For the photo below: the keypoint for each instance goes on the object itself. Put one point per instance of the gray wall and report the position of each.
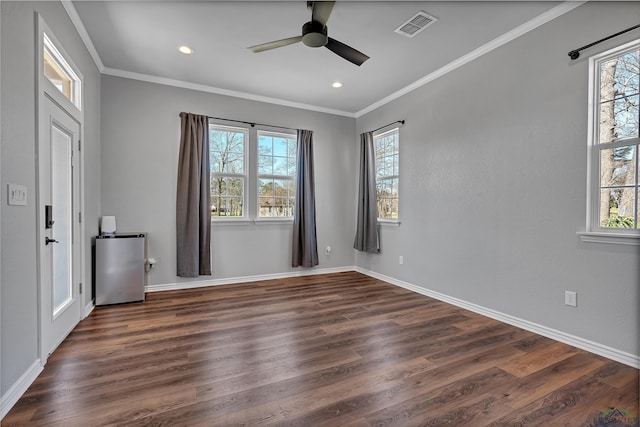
(140, 145)
(19, 334)
(493, 185)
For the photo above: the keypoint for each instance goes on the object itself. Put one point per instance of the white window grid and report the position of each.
(596, 149)
(387, 177)
(224, 205)
(273, 206)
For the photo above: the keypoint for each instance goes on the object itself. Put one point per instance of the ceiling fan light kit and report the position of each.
(315, 34)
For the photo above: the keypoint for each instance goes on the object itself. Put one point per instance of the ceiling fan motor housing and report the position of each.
(314, 34)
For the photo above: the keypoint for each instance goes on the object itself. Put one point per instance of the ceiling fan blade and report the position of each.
(347, 52)
(322, 11)
(275, 44)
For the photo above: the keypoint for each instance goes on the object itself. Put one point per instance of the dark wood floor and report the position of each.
(331, 350)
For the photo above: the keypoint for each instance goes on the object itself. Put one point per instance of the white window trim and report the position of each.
(250, 203)
(245, 196)
(594, 233)
(270, 219)
(54, 48)
(390, 222)
(386, 222)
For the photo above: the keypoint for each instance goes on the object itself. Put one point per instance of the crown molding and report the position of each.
(520, 30)
(211, 89)
(530, 25)
(82, 32)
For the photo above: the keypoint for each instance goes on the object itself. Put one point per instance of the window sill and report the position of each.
(231, 221)
(246, 221)
(609, 238)
(388, 222)
(263, 221)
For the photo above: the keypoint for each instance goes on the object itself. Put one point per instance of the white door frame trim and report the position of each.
(46, 90)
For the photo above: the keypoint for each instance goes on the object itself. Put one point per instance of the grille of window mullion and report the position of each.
(637, 185)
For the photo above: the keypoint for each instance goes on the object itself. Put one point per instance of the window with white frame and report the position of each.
(277, 153)
(58, 71)
(614, 140)
(227, 157)
(387, 177)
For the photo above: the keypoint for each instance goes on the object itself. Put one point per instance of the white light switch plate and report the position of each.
(17, 194)
(571, 298)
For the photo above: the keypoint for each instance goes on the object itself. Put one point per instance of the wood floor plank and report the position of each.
(538, 359)
(543, 382)
(559, 407)
(339, 349)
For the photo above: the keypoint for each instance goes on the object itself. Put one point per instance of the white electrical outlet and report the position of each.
(327, 251)
(400, 260)
(571, 298)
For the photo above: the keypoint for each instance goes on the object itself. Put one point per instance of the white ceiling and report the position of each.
(142, 37)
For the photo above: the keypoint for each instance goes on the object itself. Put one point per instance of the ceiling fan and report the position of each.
(314, 34)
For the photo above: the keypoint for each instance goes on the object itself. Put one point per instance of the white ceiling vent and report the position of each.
(415, 24)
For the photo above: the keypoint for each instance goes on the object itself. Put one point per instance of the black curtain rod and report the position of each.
(253, 124)
(575, 54)
(392, 123)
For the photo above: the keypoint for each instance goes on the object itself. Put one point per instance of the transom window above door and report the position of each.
(58, 71)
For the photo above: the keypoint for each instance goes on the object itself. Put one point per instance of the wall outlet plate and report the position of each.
(16, 195)
(571, 298)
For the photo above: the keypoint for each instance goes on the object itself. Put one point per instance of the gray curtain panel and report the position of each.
(367, 238)
(193, 201)
(305, 244)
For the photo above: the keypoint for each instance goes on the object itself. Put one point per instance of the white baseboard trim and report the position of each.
(88, 309)
(584, 344)
(16, 391)
(244, 279)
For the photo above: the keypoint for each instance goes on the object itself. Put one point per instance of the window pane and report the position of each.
(291, 188)
(265, 165)
(279, 188)
(281, 207)
(277, 158)
(619, 76)
(618, 97)
(58, 71)
(292, 148)
(280, 147)
(56, 75)
(394, 188)
(235, 164)
(265, 187)
(381, 171)
(235, 206)
(265, 206)
(387, 171)
(617, 208)
(226, 149)
(226, 196)
(291, 166)
(619, 119)
(617, 166)
(280, 166)
(395, 165)
(265, 145)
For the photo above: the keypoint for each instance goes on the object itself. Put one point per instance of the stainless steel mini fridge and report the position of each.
(119, 264)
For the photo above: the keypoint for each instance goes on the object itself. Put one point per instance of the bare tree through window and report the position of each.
(617, 140)
(277, 156)
(227, 164)
(387, 173)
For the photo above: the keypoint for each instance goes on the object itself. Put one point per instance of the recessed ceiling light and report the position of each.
(336, 84)
(185, 49)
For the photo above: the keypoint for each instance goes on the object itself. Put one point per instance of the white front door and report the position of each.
(59, 228)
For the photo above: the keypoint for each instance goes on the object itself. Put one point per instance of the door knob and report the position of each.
(48, 240)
